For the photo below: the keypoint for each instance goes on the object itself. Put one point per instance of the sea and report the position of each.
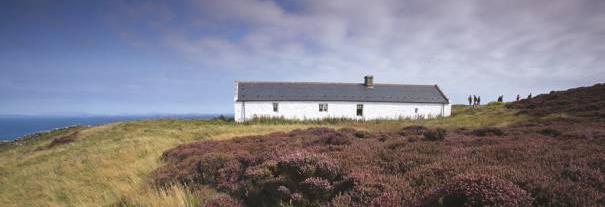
(14, 126)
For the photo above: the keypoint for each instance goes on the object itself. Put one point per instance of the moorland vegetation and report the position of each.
(545, 151)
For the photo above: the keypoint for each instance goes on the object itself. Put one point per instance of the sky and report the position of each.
(150, 57)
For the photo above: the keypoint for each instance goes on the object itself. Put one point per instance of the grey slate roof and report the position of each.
(306, 91)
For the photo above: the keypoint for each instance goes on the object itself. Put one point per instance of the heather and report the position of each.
(585, 102)
(556, 158)
(553, 158)
(477, 190)
(322, 166)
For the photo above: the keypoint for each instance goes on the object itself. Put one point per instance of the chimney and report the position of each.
(368, 81)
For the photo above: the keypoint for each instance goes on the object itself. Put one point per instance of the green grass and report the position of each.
(492, 115)
(110, 164)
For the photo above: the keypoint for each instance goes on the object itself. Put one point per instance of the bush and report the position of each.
(387, 199)
(60, 141)
(437, 134)
(412, 130)
(224, 118)
(222, 201)
(477, 190)
(301, 165)
(488, 131)
(550, 132)
(337, 140)
(316, 188)
(367, 193)
(341, 201)
(362, 134)
(327, 136)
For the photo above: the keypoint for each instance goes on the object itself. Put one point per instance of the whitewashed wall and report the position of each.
(310, 110)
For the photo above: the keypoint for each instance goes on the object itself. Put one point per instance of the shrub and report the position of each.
(477, 190)
(362, 134)
(412, 130)
(337, 140)
(316, 188)
(301, 165)
(207, 168)
(437, 134)
(224, 118)
(327, 136)
(387, 199)
(488, 131)
(347, 130)
(341, 201)
(550, 132)
(284, 191)
(60, 141)
(296, 198)
(366, 193)
(222, 201)
(584, 174)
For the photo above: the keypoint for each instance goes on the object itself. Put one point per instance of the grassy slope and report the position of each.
(110, 163)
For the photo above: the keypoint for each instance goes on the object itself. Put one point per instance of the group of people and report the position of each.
(519, 97)
(476, 100)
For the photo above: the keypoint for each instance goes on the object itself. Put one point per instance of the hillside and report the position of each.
(543, 158)
(583, 102)
(554, 157)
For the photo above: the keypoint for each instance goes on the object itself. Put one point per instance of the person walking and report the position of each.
(474, 100)
(470, 100)
(479, 100)
(518, 97)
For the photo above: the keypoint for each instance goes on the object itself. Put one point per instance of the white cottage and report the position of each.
(365, 101)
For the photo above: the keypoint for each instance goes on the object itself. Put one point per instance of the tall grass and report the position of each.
(491, 115)
(110, 164)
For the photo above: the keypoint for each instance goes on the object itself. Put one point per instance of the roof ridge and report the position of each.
(341, 83)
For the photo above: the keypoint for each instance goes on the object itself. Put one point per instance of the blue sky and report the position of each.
(141, 57)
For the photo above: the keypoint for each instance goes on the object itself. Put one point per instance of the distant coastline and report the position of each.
(17, 126)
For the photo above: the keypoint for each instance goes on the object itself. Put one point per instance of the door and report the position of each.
(359, 109)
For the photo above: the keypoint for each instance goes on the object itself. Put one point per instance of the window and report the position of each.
(416, 110)
(275, 107)
(359, 109)
(323, 107)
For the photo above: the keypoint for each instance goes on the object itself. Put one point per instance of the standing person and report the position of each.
(474, 100)
(479, 100)
(518, 97)
(470, 100)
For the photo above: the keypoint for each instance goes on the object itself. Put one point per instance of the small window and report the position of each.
(275, 107)
(359, 109)
(323, 107)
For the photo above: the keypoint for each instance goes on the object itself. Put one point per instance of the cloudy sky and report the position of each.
(131, 57)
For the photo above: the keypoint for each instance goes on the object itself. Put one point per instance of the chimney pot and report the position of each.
(368, 81)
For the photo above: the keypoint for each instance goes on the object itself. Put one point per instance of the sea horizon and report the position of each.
(14, 126)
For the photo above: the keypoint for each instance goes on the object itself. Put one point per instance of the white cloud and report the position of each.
(467, 46)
